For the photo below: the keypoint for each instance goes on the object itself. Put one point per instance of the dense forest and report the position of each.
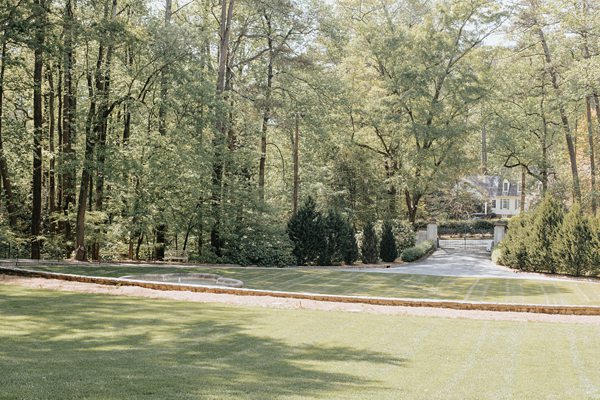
(128, 127)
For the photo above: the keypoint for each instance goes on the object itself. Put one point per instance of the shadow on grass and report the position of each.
(63, 345)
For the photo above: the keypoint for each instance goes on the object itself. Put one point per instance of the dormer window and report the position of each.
(505, 186)
(519, 187)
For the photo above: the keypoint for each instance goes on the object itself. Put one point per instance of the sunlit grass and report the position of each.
(57, 345)
(384, 285)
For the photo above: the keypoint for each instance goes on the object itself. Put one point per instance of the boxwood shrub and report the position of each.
(418, 251)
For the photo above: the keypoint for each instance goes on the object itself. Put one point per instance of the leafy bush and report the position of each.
(388, 251)
(404, 234)
(264, 246)
(369, 244)
(418, 251)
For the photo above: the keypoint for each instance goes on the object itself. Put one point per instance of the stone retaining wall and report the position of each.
(384, 301)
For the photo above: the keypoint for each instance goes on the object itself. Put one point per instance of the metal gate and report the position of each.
(466, 245)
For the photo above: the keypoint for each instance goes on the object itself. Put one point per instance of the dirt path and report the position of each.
(288, 303)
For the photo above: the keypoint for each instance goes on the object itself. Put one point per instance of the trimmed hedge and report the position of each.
(418, 251)
(453, 227)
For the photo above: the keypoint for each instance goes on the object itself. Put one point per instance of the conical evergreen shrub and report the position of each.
(573, 245)
(369, 244)
(388, 251)
(514, 245)
(334, 249)
(307, 233)
(545, 225)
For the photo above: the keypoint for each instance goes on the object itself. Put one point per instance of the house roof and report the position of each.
(491, 185)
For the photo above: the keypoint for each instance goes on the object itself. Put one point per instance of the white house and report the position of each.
(499, 195)
(505, 198)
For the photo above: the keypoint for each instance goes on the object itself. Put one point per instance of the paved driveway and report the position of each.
(455, 258)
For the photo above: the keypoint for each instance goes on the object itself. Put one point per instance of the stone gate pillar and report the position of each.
(432, 232)
(499, 231)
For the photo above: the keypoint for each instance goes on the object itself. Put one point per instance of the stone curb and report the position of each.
(382, 301)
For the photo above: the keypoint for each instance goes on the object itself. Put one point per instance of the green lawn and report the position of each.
(57, 345)
(385, 285)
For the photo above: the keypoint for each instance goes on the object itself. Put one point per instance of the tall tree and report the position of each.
(39, 12)
(533, 17)
(220, 131)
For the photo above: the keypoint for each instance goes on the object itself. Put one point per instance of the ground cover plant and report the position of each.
(377, 284)
(58, 345)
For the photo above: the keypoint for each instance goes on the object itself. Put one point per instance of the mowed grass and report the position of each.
(60, 345)
(377, 284)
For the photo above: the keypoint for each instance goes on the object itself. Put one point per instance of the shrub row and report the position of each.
(418, 251)
(321, 239)
(553, 241)
(329, 239)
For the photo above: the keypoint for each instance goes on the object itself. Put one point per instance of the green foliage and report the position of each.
(306, 230)
(321, 239)
(595, 259)
(514, 245)
(263, 246)
(547, 219)
(369, 244)
(387, 249)
(404, 234)
(351, 253)
(572, 248)
(336, 237)
(459, 227)
(545, 241)
(416, 252)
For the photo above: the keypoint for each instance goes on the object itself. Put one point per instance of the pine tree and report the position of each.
(388, 251)
(545, 225)
(573, 247)
(307, 233)
(369, 244)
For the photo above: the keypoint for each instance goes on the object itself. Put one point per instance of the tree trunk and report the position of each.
(219, 139)
(159, 248)
(6, 182)
(103, 91)
(523, 177)
(266, 114)
(296, 151)
(590, 129)
(390, 171)
(69, 112)
(51, 128)
(36, 211)
(484, 157)
(161, 229)
(412, 205)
